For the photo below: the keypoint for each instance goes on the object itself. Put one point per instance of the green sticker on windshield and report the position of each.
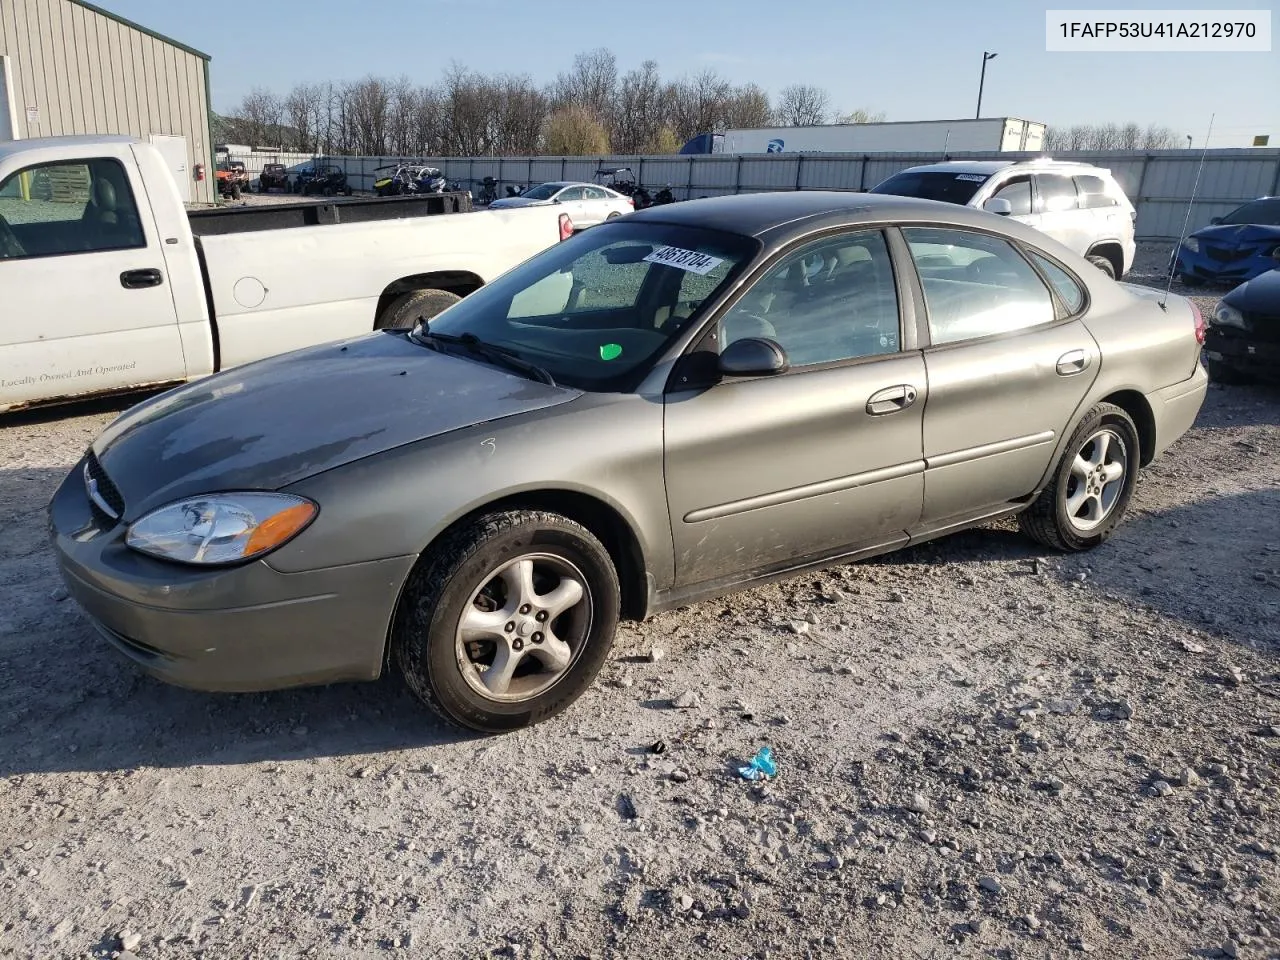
(610, 351)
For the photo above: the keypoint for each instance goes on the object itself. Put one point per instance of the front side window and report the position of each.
(65, 208)
(595, 193)
(596, 310)
(543, 191)
(832, 300)
(1057, 194)
(570, 193)
(1018, 193)
(976, 285)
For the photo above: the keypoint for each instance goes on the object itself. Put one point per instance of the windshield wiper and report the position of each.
(490, 351)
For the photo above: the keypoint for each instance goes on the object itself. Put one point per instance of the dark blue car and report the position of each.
(1234, 248)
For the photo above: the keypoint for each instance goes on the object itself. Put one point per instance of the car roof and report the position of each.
(757, 214)
(989, 167)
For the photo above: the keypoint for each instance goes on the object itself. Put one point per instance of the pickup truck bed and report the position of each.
(217, 221)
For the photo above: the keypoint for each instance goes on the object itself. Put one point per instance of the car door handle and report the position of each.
(140, 279)
(1072, 362)
(891, 400)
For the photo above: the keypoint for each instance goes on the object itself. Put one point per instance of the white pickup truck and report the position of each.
(107, 283)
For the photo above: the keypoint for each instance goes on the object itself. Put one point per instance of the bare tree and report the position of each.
(642, 109)
(698, 103)
(520, 112)
(302, 114)
(1160, 138)
(258, 119)
(861, 115)
(592, 84)
(1110, 136)
(802, 105)
(747, 106)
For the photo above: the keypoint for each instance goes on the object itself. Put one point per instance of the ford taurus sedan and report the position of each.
(672, 405)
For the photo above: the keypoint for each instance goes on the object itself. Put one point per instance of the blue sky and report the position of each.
(914, 60)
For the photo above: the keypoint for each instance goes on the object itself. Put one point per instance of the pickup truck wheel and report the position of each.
(506, 621)
(235, 191)
(1091, 486)
(407, 310)
(1220, 372)
(1103, 264)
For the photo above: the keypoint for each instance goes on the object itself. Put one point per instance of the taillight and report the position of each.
(1201, 326)
(566, 227)
(632, 204)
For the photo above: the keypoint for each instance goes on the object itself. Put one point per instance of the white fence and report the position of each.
(1158, 182)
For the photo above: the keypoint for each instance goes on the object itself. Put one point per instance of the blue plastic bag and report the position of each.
(761, 767)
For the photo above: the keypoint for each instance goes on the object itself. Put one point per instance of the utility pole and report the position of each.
(982, 81)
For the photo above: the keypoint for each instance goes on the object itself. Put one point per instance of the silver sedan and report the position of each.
(587, 204)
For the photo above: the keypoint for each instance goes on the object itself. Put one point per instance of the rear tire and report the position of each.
(1224, 373)
(407, 310)
(613, 216)
(1082, 505)
(1103, 264)
(463, 618)
(235, 191)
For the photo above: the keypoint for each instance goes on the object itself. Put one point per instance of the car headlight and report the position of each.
(221, 528)
(1226, 316)
(1191, 244)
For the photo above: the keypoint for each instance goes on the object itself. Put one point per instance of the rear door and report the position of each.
(764, 472)
(85, 303)
(1009, 362)
(1058, 206)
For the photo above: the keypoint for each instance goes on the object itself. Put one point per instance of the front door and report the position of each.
(1009, 364)
(766, 471)
(85, 303)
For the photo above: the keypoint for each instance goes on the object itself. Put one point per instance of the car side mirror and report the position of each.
(753, 357)
(1214, 221)
(998, 205)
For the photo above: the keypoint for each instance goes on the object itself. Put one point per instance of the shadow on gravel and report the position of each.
(1231, 407)
(1214, 564)
(68, 702)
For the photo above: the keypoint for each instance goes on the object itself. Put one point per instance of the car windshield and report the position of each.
(598, 309)
(543, 191)
(1265, 212)
(948, 187)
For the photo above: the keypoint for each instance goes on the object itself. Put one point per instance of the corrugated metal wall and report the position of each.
(1159, 183)
(84, 72)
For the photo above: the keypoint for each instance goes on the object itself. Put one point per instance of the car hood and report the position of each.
(517, 202)
(277, 421)
(1259, 296)
(1237, 235)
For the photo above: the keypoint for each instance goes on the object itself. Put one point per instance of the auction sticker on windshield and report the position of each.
(689, 260)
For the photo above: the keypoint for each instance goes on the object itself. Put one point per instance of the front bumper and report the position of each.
(1200, 266)
(1175, 408)
(229, 629)
(1244, 352)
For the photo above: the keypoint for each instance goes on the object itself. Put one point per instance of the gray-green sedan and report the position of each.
(678, 403)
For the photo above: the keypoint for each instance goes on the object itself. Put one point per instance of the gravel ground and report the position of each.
(985, 750)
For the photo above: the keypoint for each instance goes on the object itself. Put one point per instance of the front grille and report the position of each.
(1223, 255)
(107, 502)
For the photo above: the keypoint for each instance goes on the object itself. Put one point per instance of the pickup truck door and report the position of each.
(87, 306)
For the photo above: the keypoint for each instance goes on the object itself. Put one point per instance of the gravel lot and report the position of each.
(986, 750)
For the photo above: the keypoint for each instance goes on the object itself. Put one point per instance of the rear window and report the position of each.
(947, 187)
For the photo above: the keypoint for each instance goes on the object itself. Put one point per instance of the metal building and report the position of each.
(69, 67)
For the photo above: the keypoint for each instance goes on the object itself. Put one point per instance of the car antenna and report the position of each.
(1187, 219)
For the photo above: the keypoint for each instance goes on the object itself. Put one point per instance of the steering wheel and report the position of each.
(9, 245)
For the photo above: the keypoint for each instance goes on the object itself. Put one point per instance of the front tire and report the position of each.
(1091, 486)
(507, 620)
(1103, 264)
(416, 305)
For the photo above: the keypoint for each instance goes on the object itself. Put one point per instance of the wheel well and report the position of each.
(1112, 252)
(461, 282)
(603, 521)
(1135, 404)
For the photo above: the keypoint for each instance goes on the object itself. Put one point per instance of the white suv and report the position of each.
(1078, 204)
